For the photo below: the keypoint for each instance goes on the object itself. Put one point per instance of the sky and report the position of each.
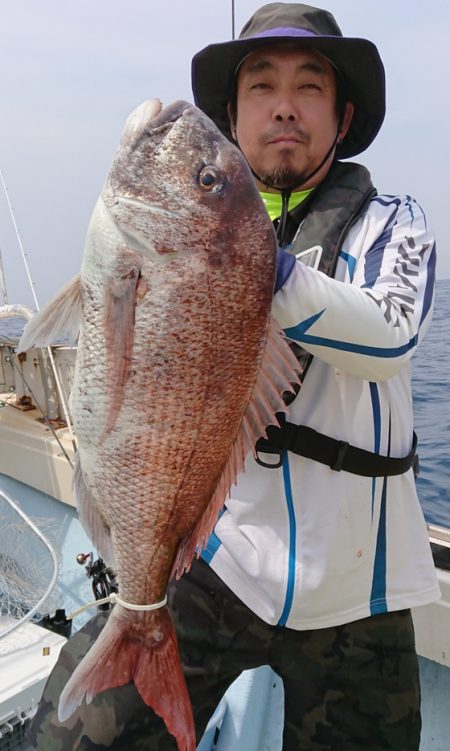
(72, 70)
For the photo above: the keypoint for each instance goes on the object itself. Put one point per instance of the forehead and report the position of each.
(279, 56)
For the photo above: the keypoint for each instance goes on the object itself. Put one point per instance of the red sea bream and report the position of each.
(179, 370)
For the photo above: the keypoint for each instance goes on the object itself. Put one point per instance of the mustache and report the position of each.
(286, 131)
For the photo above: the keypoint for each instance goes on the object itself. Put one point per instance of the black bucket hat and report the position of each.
(357, 61)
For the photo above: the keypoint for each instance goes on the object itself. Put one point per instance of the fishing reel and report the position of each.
(104, 579)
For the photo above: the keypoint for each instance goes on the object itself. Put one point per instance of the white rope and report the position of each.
(115, 599)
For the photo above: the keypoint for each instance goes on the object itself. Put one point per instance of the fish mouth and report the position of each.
(163, 123)
(170, 114)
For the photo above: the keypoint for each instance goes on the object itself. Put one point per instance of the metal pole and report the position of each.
(232, 19)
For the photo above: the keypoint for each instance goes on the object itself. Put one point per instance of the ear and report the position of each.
(346, 120)
(231, 120)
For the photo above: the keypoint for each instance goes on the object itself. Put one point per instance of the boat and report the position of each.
(37, 450)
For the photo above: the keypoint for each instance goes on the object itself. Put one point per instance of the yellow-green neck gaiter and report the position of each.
(272, 201)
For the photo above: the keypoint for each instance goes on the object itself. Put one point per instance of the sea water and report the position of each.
(431, 393)
(430, 380)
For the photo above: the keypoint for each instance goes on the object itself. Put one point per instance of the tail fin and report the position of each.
(149, 658)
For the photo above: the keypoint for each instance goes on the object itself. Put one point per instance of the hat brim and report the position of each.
(357, 61)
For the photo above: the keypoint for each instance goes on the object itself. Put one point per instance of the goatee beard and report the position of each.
(282, 178)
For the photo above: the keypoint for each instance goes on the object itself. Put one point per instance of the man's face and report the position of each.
(286, 114)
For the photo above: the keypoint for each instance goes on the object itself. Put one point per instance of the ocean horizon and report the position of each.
(430, 382)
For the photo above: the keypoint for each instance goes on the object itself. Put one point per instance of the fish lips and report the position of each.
(170, 114)
(158, 127)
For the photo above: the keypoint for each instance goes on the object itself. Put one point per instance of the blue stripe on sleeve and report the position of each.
(214, 542)
(374, 257)
(285, 264)
(351, 263)
(393, 200)
(298, 333)
(211, 549)
(429, 289)
(375, 397)
(378, 594)
(292, 541)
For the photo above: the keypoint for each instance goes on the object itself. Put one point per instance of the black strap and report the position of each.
(339, 455)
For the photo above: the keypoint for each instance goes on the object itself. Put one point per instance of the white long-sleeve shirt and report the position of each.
(304, 545)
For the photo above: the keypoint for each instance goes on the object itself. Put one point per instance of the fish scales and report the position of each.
(187, 416)
(179, 370)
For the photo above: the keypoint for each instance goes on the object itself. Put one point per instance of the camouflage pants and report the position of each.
(347, 688)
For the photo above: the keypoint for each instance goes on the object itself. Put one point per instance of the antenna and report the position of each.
(232, 19)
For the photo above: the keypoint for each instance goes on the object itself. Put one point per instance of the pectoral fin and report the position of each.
(120, 307)
(59, 318)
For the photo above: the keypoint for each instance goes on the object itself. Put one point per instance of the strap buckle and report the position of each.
(340, 455)
(272, 451)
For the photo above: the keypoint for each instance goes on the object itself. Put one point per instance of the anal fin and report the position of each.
(90, 517)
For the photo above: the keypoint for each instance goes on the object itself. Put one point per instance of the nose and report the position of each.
(284, 110)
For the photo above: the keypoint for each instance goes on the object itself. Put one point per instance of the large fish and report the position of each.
(179, 370)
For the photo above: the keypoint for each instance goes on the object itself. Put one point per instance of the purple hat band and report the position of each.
(287, 31)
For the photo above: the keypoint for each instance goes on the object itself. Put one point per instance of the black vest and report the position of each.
(324, 219)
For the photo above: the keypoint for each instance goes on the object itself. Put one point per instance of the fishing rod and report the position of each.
(32, 287)
(3, 289)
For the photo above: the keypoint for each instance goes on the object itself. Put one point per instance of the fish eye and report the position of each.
(211, 179)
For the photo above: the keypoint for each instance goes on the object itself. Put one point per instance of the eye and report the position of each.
(311, 86)
(260, 85)
(211, 179)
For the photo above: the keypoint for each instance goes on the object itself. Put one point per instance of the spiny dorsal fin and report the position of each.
(278, 373)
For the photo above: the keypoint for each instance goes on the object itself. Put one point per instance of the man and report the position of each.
(322, 548)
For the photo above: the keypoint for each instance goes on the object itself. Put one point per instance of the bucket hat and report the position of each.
(357, 62)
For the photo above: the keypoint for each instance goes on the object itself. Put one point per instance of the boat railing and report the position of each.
(36, 378)
(440, 546)
(439, 535)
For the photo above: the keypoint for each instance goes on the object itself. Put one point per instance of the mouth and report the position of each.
(170, 114)
(161, 125)
(285, 139)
